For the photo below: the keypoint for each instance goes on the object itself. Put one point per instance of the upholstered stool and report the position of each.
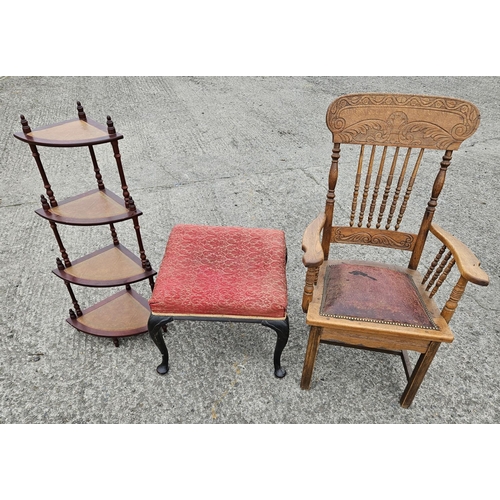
(211, 273)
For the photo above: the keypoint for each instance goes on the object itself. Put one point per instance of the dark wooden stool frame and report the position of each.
(158, 324)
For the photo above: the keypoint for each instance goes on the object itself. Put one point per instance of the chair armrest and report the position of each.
(311, 243)
(468, 264)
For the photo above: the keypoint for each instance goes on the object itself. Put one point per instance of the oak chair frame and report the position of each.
(392, 122)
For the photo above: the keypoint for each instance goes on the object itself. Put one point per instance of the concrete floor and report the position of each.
(246, 151)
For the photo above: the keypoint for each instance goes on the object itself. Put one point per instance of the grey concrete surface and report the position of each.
(248, 151)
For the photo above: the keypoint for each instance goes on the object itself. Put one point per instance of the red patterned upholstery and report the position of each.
(222, 271)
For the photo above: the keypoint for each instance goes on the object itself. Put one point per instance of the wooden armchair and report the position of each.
(379, 306)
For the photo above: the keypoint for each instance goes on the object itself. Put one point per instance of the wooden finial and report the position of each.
(24, 123)
(45, 203)
(72, 314)
(81, 113)
(59, 263)
(111, 127)
(131, 204)
(147, 265)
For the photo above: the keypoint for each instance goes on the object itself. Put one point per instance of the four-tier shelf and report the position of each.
(124, 313)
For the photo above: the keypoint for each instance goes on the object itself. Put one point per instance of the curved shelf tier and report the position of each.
(70, 133)
(93, 208)
(124, 314)
(113, 265)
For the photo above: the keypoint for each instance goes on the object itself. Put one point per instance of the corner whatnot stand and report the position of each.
(124, 313)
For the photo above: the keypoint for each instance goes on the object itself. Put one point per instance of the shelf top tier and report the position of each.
(70, 133)
(99, 206)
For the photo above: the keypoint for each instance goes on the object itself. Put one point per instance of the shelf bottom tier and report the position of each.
(124, 314)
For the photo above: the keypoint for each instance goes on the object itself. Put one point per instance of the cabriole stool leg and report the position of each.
(282, 328)
(156, 325)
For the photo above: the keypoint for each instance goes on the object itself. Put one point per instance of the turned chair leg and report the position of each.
(156, 327)
(282, 328)
(310, 359)
(418, 374)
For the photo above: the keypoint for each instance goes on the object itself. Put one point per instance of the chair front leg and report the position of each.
(310, 359)
(155, 326)
(418, 374)
(282, 328)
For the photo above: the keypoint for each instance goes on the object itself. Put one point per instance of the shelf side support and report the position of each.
(118, 159)
(73, 299)
(36, 156)
(64, 254)
(97, 171)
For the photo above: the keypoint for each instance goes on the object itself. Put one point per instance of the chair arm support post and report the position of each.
(311, 278)
(313, 257)
(455, 296)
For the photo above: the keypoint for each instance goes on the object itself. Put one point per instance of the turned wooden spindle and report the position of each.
(137, 228)
(443, 276)
(114, 235)
(434, 263)
(81, 112)
(456, 294)
(72, 314)
(366, 189)
(387, 189)
(64, 254)
(398, 189)
(311, 278)
(378, 180)
(356, 186)
(73, 299)
(330, 199)
(97, 172)
(36, 156)
(409, 189)
(438, 271)
(118, 159)
(60, 265)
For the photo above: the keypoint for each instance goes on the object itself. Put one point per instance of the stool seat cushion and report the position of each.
(222, 271)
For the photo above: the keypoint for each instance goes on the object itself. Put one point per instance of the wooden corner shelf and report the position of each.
(69, 133)
(124, 314)
(93, 208)
(110, 266)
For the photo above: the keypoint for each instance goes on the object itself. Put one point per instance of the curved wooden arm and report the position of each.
(468, 264)
(311, 243)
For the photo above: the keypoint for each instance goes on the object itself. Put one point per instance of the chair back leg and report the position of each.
(418, 374)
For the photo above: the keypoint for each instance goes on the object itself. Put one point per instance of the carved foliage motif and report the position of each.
(403, 241)
(404, 120)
